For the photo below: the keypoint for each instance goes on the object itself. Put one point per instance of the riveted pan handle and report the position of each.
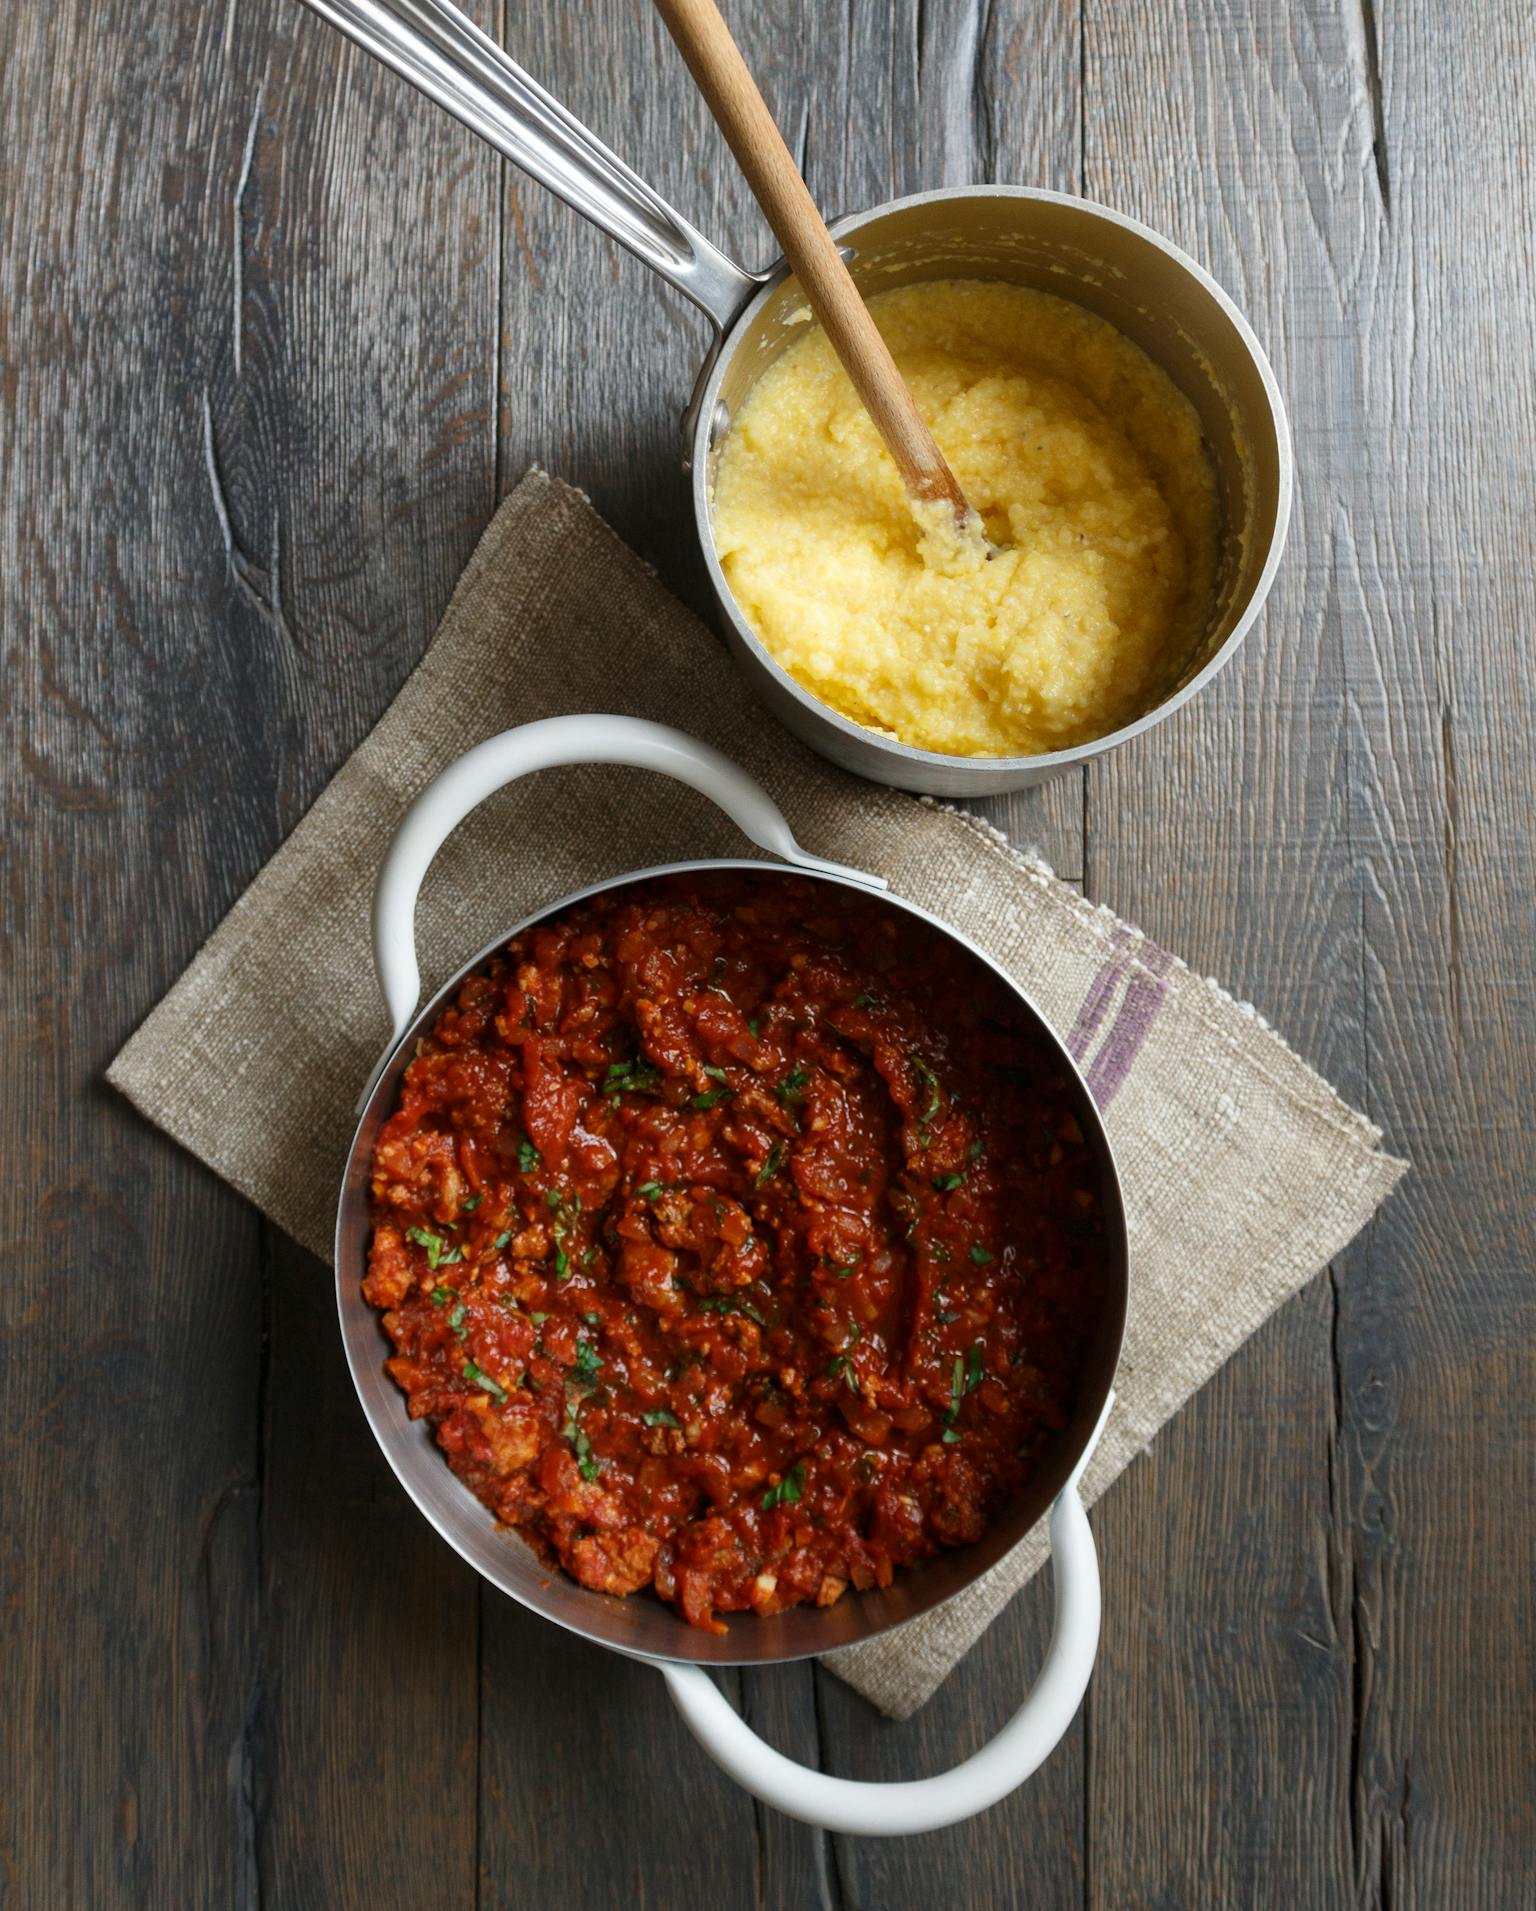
(926, 1804)
(446, 56)
(500, 760)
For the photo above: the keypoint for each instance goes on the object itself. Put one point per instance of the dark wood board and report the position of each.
(274, 336)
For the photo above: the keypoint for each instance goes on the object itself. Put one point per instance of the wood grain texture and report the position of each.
(1379, 730)
(273, 336)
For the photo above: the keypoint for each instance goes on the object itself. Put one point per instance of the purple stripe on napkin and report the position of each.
(1145, 994)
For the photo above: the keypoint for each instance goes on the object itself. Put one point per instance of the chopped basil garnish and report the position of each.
(659, 1417)
(441, 1296)
(650, 1190)
(866, 1000)
(944, 1182)
(633, 1078)
(588, 1467)
(792, 1089)
(980, 1255)
(788, 1490)
(714, 1095)
(966, 1374)
(528, 1157)
(501, 1240)
(839, 1366)
(730, 1304)
(433, 1243)
(956, 1395)
(478, 1379)
(930, 1081)
(842, 1272)
(456, 1321)
(772, 1165)
(472, 1203)
(588, 1364)
(447, 1260)
(538, 1319)
(715, 1074)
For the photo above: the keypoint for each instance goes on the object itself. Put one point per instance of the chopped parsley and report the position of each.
(980, 1255)
(555, 1201)
(927, 1079)
(659, 1417)
(587, 1466)
(730, 1304)
(788, 1490)
(771, 1166)
(433, 1243)
(966, 1375)
(631, 1078)
(791, 1090)
(476, 1378)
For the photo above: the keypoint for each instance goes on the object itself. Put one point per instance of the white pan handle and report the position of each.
(500, 760)
(926, 1804)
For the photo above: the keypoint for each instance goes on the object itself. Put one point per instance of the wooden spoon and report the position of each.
(742, 114)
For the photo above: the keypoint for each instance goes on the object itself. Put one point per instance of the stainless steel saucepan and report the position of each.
(642, 1626)
(1112, 265)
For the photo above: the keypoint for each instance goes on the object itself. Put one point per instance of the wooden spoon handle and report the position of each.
(742, 114)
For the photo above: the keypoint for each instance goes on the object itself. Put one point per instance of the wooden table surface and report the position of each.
(276, 335)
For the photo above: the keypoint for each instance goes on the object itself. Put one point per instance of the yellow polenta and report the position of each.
(1087, 466)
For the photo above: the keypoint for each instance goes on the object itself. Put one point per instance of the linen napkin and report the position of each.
(1244, 1173)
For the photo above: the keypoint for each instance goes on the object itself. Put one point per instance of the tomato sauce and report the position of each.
(736, 1240)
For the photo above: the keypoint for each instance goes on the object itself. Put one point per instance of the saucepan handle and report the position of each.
(926, 1804)
(500, 760)
(446, 56)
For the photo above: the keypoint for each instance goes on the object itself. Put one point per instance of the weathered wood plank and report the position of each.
(130, 1308)
(353, 413)
(1336, 892)
(1436, 1317)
